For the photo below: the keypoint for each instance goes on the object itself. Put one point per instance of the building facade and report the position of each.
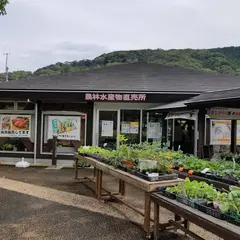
(93, 108)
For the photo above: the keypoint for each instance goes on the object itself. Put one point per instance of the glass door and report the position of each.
(170, 133)
(108, 128)
(154, 127)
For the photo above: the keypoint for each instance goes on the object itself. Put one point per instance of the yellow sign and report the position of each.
(221, 132)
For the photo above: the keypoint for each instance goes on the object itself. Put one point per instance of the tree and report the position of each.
(3, 4)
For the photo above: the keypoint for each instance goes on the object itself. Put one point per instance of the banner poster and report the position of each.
(65, 127)
(221, 132)
(15, 126)
(107, 128)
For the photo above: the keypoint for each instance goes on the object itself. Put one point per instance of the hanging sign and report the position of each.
(15, 126)
(107, 128)
(224, 113)
(122, 97)
(65, 127)
(190, 115)
(221, 132)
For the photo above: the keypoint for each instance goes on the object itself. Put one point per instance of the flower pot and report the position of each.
(128, 163)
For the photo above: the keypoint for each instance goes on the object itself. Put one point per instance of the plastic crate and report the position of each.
(189, 202)
(122, 168)
(156, 179)
(162, 191)
(208, 209)
(234, 220)
(186, 201)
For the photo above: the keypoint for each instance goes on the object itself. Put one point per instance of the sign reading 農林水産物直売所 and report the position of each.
(122, 97)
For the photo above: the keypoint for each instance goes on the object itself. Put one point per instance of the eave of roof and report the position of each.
(169, 106)
(216, 96)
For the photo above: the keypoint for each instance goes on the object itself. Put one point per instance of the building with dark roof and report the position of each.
(93, 107)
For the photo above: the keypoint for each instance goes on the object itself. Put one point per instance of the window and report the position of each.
(152, 126)
(25, 106)
(17, 133)
(130, 125)
(69, 129)
(6, 105)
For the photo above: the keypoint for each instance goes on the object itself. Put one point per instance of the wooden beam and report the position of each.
(185, 230)
(218, 227)
(147, 214)
(156, 221)
(76, 168)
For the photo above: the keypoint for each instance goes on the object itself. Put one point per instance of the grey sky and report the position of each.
(41, 32)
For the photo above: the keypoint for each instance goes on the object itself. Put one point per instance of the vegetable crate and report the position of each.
(233, 220)
(162, 191)
(208, 209)
(186, 201)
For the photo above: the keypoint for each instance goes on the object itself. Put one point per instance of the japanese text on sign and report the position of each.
(115, 97)
(224, 113)
(15, 126)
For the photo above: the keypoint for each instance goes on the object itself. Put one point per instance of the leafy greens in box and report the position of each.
(147, 164)
(231, 205)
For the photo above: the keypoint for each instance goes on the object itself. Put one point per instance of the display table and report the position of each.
(218, 227)
(146, 186)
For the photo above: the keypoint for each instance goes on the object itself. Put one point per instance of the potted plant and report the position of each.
(127, 158)
(7, 147)
(125, 152)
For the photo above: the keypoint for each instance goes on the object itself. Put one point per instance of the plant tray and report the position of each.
(208, 209)
(233, 220)
(156, 179)
(162, 191)
(188, 202)
(123, 168)
(221, 179)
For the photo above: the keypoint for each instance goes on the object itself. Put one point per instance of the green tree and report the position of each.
(3, 4)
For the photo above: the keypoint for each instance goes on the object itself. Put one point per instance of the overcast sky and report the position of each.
(41, 32)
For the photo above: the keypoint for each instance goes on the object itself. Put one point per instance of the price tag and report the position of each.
(205, 170)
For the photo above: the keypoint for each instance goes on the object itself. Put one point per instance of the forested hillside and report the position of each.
(222, 60)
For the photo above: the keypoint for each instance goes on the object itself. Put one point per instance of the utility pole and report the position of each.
(6, 66)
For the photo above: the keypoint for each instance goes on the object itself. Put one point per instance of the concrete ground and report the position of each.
(27, 217)
(48, 204)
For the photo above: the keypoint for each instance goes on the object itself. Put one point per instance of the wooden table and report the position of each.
(215, 183)
(124, 177)
(218, 227)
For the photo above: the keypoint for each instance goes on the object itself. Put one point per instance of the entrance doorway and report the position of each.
(111, 123)
(184, 135)
(183, 131)
(107, 128)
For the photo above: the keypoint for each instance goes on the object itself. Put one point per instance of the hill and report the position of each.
(222, 60)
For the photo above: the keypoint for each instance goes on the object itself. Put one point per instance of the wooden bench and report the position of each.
(218, 227)
(146, 186)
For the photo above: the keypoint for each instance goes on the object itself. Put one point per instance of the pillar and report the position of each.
(201, 130)
(233, 136)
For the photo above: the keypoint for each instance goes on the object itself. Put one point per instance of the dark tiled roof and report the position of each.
(130, 77)
(216, 96)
